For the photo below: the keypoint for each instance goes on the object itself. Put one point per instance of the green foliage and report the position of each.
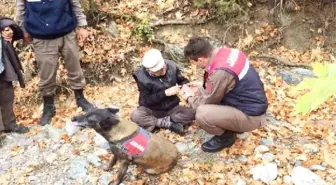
(320, 88)
(222, 8)
(143, 29)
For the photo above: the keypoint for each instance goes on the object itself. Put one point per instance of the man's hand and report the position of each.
(187, 92)
(195, 84)
(172, 90)
(27, 37)
(82, 35)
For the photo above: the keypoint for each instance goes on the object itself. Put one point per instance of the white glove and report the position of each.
(172, 90)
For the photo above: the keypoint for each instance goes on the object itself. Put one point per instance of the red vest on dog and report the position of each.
(137, 145)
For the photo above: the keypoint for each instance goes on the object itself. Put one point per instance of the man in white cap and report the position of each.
(159, 81)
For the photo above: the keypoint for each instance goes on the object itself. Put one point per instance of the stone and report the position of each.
(53, 133)
(242, 159)
(266, 173)
(51, 158)
(182, 147)
(241, 182)
(83, 137)
(317, 167)
(267, 142)
(304, 72)
(71, 128)
(287, 179)
(324, 164)
(105, 178)
(79, 169)
(101, 142)
(261, 149)
(298, 163)
(95, 160)
(243, 136)
(268, 157)
(303, 176)
(113, 29)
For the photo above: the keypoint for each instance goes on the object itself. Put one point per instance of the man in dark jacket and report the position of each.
(50, 26)
(232, 98)
(10, 70)
(158, 82)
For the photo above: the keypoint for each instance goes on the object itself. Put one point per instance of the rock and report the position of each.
(32, 178)
(266, 173)
(105, 178)
(241, 182)
(324, 164)
(295, 76)
(242, 159)
(317, 167)
(51, 158)
(113, 29)
(298, 163)
(83, 137)
(287, 179)
(304, 72)
(311, 148)
(243, 136)
(25, 143)
(101, 142)
(53, 133)
(79, 169)
(268, 157)
(267, 142)
(261, 149)
(182, 147)
(95, 160)
(303, 176)
(71, 128)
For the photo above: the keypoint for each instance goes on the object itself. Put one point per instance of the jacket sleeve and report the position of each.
(20, 13)
(180, 78)
(79, 12)
(219, 83)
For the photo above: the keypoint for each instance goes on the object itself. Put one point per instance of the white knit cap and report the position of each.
(153, 60)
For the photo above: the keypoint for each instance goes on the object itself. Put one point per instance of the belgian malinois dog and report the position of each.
(129, 143)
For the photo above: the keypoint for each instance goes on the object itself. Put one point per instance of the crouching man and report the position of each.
(232, 98)
(158, 83)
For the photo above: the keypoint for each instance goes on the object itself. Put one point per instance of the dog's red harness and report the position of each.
(137, 145)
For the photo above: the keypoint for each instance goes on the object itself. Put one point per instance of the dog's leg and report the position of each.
(113, 160)
(122, 171)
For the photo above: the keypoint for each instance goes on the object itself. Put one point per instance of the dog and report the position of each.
(129, 143)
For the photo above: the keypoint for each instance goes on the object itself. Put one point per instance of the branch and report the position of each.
(180, 22)
(284, 62)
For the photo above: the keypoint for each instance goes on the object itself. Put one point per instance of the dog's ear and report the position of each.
(113, 110)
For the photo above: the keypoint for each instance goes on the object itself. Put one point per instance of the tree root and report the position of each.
(284, 62)
(179, 22)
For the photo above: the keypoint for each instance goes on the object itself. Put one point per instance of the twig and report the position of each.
(180, 22)
(281, 61)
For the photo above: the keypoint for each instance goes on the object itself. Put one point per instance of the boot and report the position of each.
(217, 143)
(81, 101)
(19, 129)
(177, 128)
(166, 122)
(49, 110)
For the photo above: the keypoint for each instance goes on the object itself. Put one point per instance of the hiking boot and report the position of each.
(177, 128)
(49, 110)
(217, 143)
(81, 101)
(19, 129)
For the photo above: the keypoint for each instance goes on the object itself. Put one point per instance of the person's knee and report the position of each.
(202, 112)
(137, 115)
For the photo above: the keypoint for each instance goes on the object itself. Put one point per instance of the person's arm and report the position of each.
(181, 80)
(20, 13)
(219, 83)
(149, 98)
(79, 12)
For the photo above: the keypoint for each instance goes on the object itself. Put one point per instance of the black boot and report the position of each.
(81, 101)
(217, 143)
(49, 110)
(177, 128)
(19, 129)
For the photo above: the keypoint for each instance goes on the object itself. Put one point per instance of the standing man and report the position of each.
(10, 70)
(232, 98)
(158, 83)
(50, 26)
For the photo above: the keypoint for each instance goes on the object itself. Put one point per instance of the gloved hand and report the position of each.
(172, 90)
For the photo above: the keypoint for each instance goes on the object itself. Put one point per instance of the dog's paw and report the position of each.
(106, 167)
